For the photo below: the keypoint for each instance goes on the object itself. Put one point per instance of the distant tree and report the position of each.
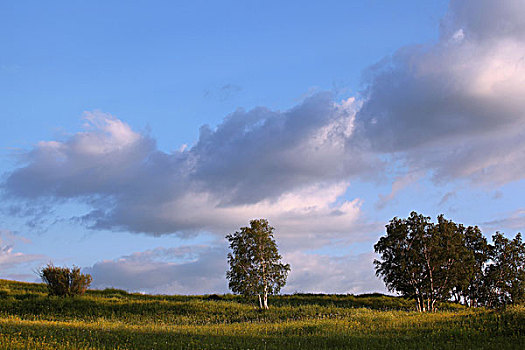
(64, 281)
(505, 276)
(255, 263)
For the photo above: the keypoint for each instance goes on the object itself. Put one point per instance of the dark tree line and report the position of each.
(443, 261)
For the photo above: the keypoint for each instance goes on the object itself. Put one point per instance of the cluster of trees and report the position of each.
(443, 261)
(426, 261)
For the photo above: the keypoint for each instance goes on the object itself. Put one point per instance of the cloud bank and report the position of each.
(291, 167)
(202, 270)
(181, 270)
(455, 107)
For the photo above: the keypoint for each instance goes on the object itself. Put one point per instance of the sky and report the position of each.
(134, 136)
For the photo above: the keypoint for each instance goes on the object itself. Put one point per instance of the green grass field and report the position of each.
(113, 319)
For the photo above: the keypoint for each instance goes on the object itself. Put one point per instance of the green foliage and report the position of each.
(469, 282)
(98, 320)
(505, 277)
(420, 260)
(64, 281)
(255, 266)
(436, 262)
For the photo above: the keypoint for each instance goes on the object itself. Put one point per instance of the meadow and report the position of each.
(114, 319)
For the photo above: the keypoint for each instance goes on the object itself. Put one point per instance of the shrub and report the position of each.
(64, 281)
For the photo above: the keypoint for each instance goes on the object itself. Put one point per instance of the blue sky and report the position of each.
(135, 136)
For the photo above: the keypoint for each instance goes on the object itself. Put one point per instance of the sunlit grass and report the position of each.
(113, 319)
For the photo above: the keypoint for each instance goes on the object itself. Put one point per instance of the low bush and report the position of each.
(64, 281)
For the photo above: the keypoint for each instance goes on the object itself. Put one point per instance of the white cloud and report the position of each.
(318, 273)
(100, 160)
(290, 167)
(10, 260)
(202, 270)
(456, 107)
(181, 270)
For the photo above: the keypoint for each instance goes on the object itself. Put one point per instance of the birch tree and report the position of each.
(255, 263)
(505, 276)
(421, 260)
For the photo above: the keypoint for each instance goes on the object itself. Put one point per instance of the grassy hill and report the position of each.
(114, 319)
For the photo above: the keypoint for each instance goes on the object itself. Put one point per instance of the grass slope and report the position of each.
(114, 319)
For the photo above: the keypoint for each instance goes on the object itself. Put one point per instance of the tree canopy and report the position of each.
(430, 262)
(505, 276)
(255, 263)
(64, 281)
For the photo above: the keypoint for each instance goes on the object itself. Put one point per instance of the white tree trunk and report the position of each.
(420, 304)
(265, 297)
(260, 302)
(265, 282)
